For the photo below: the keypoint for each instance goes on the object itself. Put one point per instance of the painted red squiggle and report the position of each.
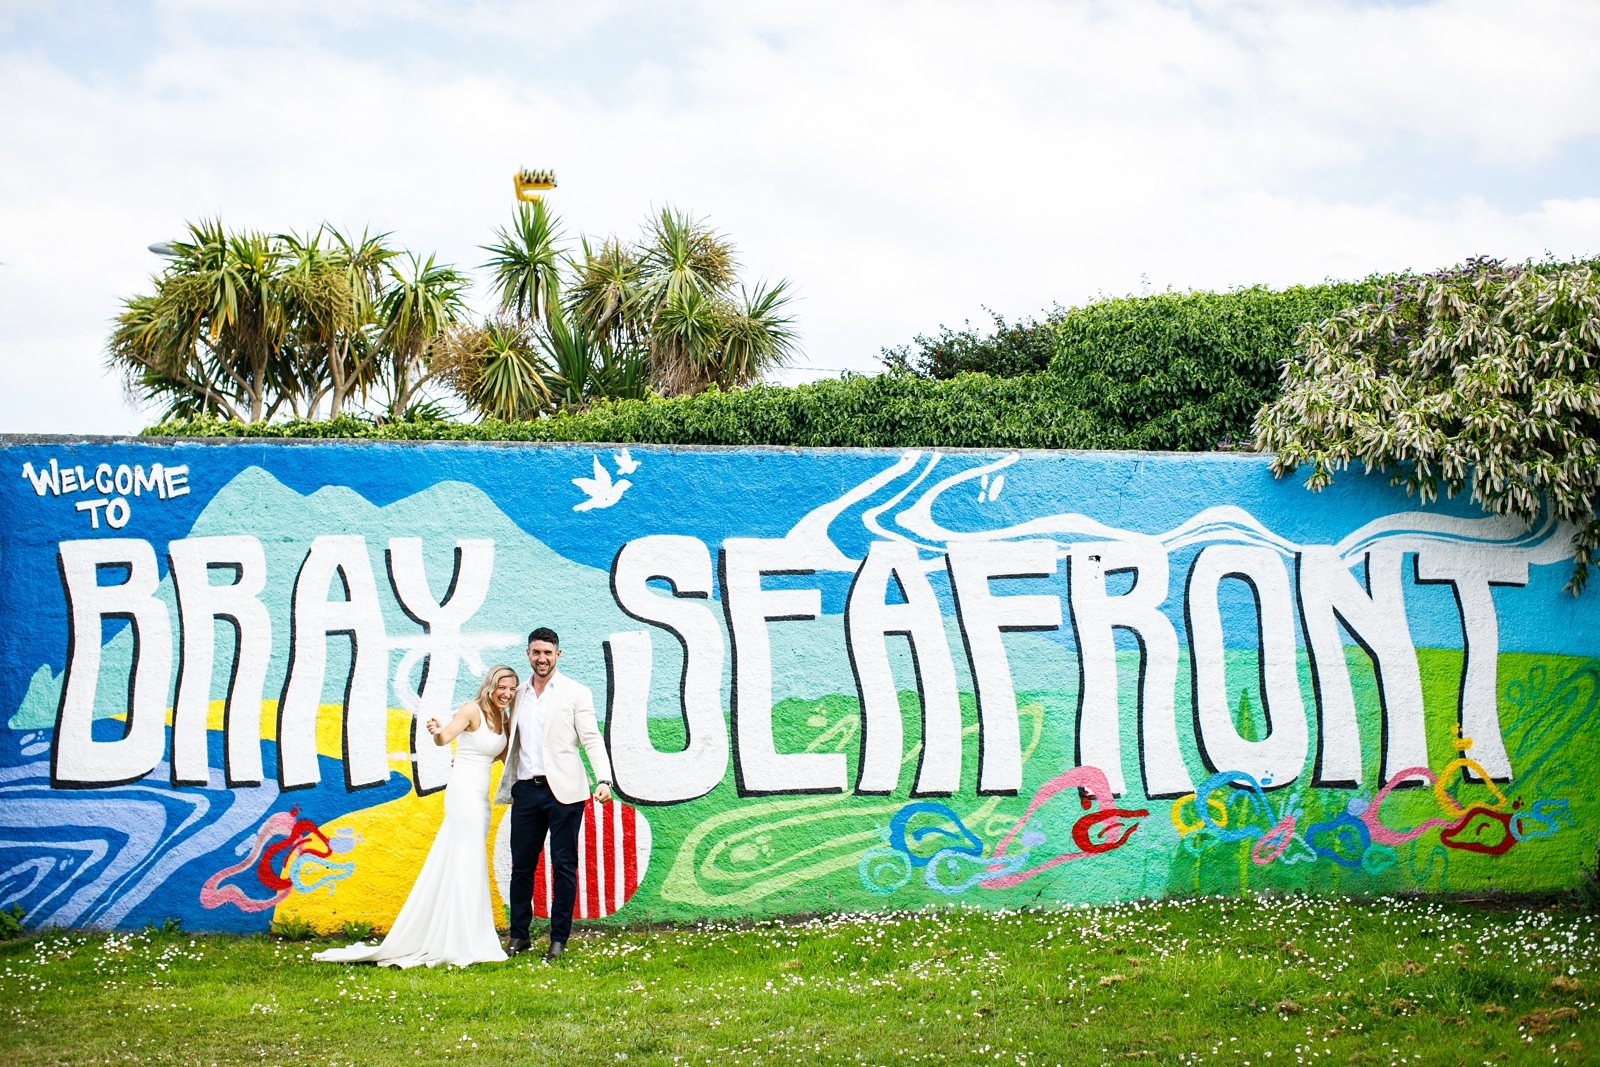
(1092, 780)
(214, 894)
(302, 830)
(1465, 834)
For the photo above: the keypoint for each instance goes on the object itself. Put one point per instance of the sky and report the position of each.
(904, 165)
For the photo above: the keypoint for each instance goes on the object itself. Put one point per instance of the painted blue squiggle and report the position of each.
(967, 841)
(130, 854)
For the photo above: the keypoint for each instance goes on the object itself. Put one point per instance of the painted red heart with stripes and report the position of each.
(613, 855)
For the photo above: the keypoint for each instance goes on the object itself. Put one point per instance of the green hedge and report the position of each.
(888, 411)
(1170, 371)
(1189, 371)
(1173, 371)
(1011, 351)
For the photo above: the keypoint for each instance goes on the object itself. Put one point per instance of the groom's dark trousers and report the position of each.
(534, 813)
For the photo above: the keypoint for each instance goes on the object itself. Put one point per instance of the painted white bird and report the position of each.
(626, 464)
(601, 490)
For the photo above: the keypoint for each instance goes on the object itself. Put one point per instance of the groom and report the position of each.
(546, 784)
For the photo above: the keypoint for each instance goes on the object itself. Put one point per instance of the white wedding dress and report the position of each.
(448, 917)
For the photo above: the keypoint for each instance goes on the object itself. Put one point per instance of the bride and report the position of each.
(448, 918)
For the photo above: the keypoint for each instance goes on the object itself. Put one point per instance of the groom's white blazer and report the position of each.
(568, 720)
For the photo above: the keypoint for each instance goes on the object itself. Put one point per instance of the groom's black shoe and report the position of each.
(556, 948)
(518, 945)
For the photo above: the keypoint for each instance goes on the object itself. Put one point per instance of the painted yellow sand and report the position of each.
(392, 839)
(330, 725)
(392, 842)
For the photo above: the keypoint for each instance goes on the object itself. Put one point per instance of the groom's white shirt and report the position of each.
(565, 714)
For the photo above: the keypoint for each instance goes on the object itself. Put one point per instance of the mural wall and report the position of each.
(830, 680)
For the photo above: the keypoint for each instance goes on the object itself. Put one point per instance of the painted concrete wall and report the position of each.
(839, 680)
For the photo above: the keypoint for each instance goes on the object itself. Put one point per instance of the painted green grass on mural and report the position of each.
(1276, 980)
(769, 856)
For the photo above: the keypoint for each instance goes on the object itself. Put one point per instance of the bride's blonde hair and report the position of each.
(491, 714)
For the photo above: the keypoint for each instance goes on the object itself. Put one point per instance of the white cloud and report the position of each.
(902, 163)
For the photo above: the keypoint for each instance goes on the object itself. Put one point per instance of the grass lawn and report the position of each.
(1260, 981)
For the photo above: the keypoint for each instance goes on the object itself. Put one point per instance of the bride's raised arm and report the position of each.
(465, 718)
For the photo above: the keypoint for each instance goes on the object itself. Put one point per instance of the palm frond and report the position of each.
(759, 337)
(524, 263)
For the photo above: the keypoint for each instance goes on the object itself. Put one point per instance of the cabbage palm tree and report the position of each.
(687, 331)
(539, 349)
(681, 254)
(248, 325)
(422, 302)
(248, 313)
(619, 373)
(494, 368)
(352, 365)
(758, 336)
(604, 294)
(524, 263)
(158, 364)
(586, 366)
(326, 316)
(215, 327)
(506, 371)
(695, 333)
(498, 368)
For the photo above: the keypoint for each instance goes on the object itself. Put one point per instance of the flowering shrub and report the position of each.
(1483, 377)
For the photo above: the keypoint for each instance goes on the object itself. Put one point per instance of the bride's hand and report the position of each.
(434, 726)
